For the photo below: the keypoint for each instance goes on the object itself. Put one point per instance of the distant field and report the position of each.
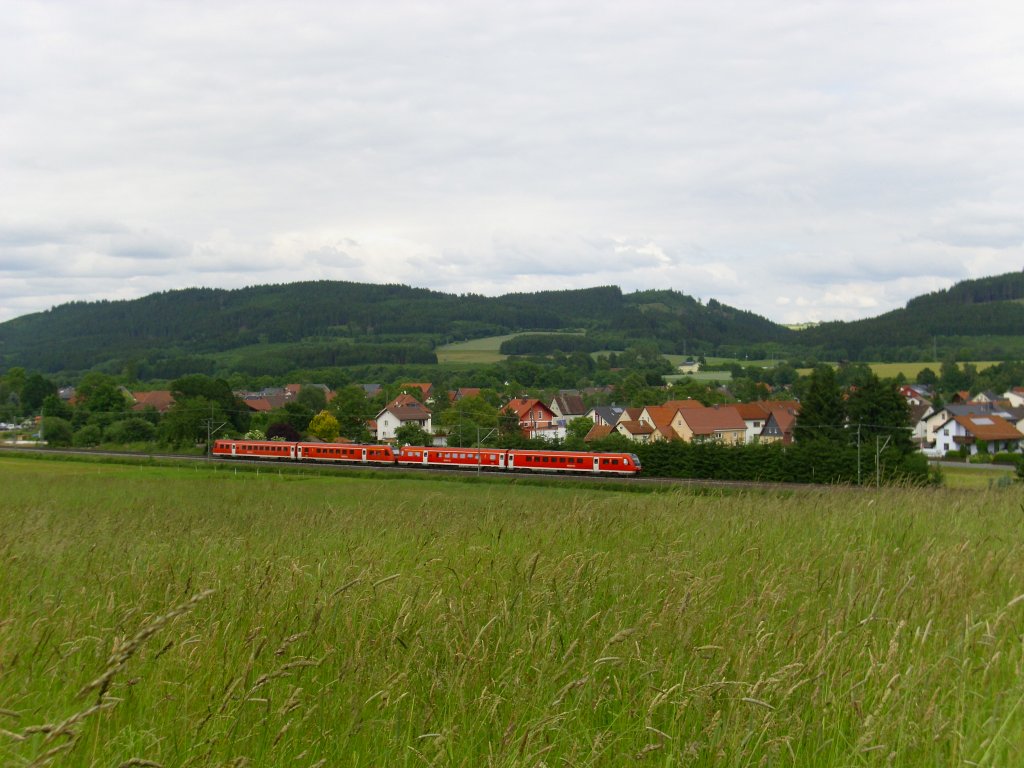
(481, 351)
(191, 617)
(911, 370)
(699, 376)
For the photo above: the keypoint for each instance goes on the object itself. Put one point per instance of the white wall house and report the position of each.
(403, 410)
(995, 432)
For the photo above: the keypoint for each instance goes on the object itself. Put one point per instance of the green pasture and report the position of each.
(977, 478)
(190, 617)
(478, 351)
(483, 351)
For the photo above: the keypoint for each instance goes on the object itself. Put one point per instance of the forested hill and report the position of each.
(974, 319)
(337, 323)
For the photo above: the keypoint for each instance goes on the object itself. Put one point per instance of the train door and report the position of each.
(364, 456)
(234, 449)
(296, 452)
(597, 463)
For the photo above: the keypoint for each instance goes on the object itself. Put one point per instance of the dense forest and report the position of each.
(271, 329)
(975, 319)
(338, 323)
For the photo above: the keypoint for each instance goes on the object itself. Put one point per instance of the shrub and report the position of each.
(133, 430)
(56, 431)
(88, 436)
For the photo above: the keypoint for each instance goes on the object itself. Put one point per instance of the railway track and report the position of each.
(597, 480)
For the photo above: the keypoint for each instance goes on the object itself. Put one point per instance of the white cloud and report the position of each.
(819, 157)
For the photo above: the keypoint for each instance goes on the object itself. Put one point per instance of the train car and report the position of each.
(490, 459)
(272, 450)
(574, 462)
(346, 453)
(465, 458)
(335, 453)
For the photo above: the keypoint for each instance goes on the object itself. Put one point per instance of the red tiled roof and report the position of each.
(523, 406)
(755, 411)
(636, 427)
(598, 432)
(680, 405)
(162, 400)
(988, 426)
(707, 421)
(661, 415)
(424, 387)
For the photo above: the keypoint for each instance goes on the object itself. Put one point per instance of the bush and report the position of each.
(133, 430)
(88, 436)
(56, 431)
(1004, 457)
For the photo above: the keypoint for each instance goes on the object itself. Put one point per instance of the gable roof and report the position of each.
(680, 405)
(661, 415)
(598, 432)
(609, 414)
(707, 421)
(406, 408)
(630, 414)
(523, 407)
(162, 400)
(425, 388)
(635, 427)
(568, 404)
(463, 392)
(753, 411)
(988, 427)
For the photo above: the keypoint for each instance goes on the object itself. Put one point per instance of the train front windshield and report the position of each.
(635, 460)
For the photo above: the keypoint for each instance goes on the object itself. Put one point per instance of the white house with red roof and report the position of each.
(968, 430)
(535, 418)
(404, 409)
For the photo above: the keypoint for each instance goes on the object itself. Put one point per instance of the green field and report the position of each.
(477, 351)
(187, 617)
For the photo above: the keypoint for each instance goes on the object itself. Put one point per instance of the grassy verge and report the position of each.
(191, 617)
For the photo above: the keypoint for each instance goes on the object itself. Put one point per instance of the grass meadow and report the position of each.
(186, 617)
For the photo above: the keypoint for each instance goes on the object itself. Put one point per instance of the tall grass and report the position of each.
(180, 617)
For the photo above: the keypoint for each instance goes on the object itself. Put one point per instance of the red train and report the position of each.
(491, 459)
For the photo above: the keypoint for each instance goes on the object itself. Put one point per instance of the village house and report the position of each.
(605, 415)
(535, 418)
(779, 426)
(925, 430)
(666, 421)
(404, 409)
(755, 415)
(973, 429)
(718, 423)
(161, 400)
(1015, 397)
(637, 431)
(455, 395)
(566, 407)
(423, 391)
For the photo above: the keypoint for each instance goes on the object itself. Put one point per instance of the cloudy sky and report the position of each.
(807, 160)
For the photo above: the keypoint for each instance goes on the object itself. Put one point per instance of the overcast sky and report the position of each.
(804, 160)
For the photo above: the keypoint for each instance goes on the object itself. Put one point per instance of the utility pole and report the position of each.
(211, 431)
(858, 453)
(878, 454)
(479, 455)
